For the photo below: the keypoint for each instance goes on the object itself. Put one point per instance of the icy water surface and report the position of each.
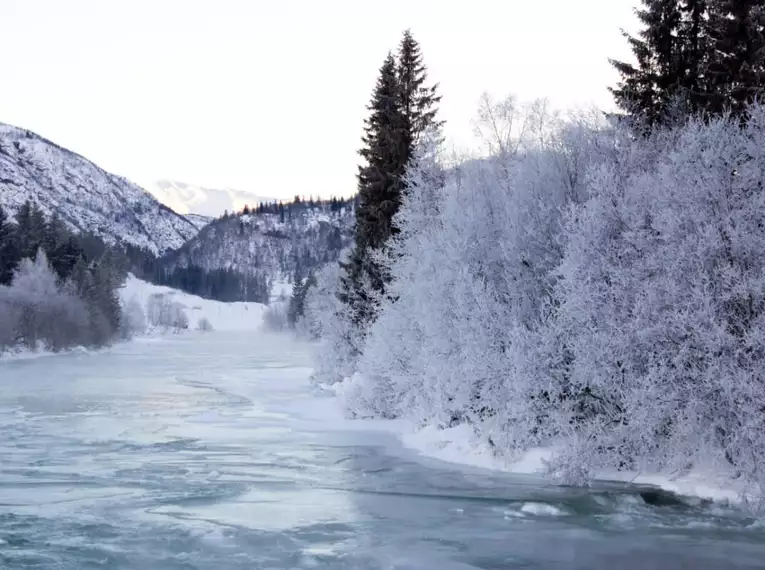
(211, 452)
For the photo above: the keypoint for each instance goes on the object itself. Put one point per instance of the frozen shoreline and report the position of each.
(459, 445)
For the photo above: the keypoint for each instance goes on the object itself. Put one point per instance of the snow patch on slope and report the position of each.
(199, 220)
(222, 316)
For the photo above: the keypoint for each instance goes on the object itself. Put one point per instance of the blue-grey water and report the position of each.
(212, 452)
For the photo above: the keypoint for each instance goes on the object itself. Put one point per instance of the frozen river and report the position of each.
(212, 452)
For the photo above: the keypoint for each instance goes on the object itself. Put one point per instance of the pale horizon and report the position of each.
(269, 99)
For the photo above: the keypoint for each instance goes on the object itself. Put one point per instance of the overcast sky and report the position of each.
(269, 96)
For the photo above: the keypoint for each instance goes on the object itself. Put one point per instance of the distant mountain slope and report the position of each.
(87, 198)
(213, 202)
(295, 238)
(199, 220)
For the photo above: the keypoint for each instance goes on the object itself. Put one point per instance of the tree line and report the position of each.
(225, 285)
(285, 210)
(57, 289)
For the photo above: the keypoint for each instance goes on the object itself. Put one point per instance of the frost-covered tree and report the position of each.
(61, 289)
(163, 312)
(133, 318)
(296, 307)
(473, 271)
(275, 317)
(44, 314)
(327, 320)
(663, 306)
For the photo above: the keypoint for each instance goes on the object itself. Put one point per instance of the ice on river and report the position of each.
(213, 452)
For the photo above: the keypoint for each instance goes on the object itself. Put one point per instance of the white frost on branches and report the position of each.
(578, 288)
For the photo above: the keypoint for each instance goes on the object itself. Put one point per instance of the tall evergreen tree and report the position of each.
(403, 107)
(9, 256)
(648, 88)
(418, 101)
(380, 182)
(736, 72)
(693, 36)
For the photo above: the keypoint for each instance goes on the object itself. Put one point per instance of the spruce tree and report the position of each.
(695, 52)
(418, 101)
(403, 107)
(736, 72)
(30, 229)
(648, 88)
(9, 256)
(380, 182)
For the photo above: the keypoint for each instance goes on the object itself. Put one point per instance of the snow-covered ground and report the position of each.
(222, 316)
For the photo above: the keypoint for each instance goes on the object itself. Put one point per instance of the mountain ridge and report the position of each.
(283, 241)
(85, 196)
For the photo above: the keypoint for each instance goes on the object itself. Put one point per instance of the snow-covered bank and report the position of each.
(460, 445)
(222, 316)
(26, 354)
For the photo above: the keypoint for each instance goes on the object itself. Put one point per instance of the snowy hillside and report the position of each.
(298, 239)
(185, 198)
(199, 220)
(222, 316)
(87, 198)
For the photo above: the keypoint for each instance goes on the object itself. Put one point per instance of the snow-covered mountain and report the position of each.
(199, 220)
(87, 198)
(296, 238)
(212, 202)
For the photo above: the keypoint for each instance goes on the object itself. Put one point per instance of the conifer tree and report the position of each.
(418, 101)
(403, 107)
(9, 257)
(380, 182)
(693, 37)
(648, 88)
(736, 72)
(694, 56)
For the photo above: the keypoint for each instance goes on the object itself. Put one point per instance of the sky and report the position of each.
(269, 97)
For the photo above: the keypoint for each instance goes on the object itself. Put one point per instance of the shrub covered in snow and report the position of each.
(275, 317)
(165, 313)
(579, 288)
